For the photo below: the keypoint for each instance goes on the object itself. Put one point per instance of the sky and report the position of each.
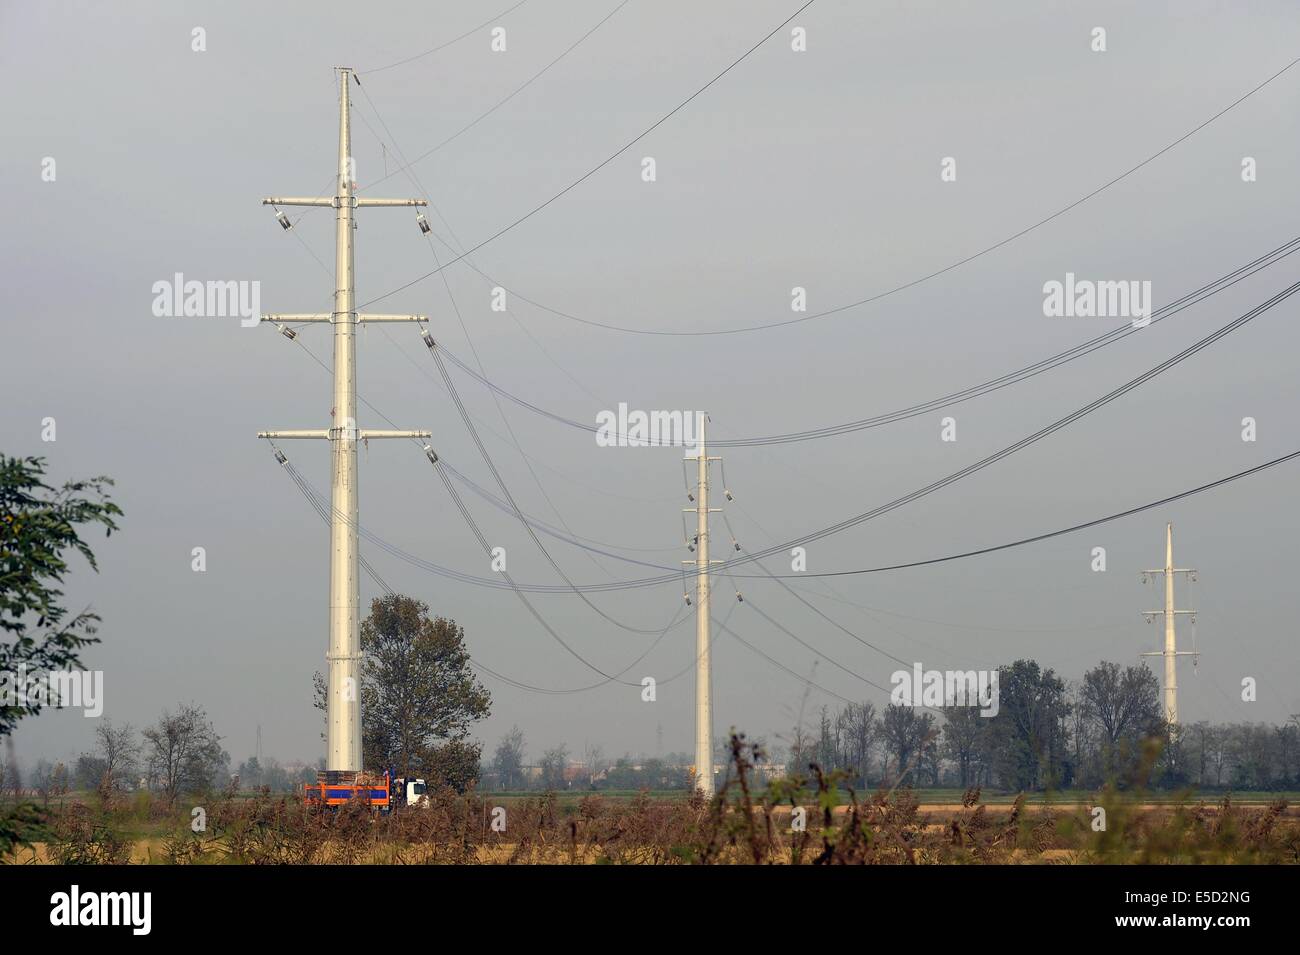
(819, 169)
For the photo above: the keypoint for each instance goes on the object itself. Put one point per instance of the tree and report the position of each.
(418, 692)
(1029, 731)
(43, 780)
(861, 730)
(118, 750)
(1120, 708)
(553, 762)
(910, 737)
(827, 742)
(454, 763)
(508, 761)
(594, 762)
(184, 753)
(965, 742)
(802, 748)
(255, 773)
(90, 772)
(38, 526)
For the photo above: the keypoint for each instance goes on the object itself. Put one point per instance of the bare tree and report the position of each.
(593, 758)
(508, 762)
(802, 747)
(116, 746)
(43, 780)
(861, 731)
(184, 752)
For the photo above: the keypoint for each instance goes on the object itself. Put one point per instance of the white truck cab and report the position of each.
(415, 796)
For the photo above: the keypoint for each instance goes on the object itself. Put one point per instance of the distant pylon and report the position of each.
(1171, 653)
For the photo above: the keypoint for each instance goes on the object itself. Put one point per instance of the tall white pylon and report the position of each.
(703, 676)
(343, 700)
(1171, 653)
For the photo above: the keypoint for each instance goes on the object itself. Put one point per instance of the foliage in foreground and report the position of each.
(739, 826)
(38, 530)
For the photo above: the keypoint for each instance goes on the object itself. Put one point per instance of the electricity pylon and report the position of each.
(1171, 653)
(343, 700)
(703, 676)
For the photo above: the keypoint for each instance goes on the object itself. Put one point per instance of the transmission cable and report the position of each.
(840, 308)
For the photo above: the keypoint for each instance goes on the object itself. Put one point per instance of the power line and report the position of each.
(952, 478)
(974, 391)
(979, 552)
(505, 491)
(603, 163)
(1037, 538)
(814, 609)
(1005, 452)
(443, 46)
(777, 663)
(1039, 435)
(514, 439)
(513, 93)
(317, 504)
(839, 308)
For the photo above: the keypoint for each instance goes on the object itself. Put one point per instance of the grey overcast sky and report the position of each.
(818, 169)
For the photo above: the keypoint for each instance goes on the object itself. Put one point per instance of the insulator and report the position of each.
(740, 597)
(279, 456)
(287, 332)
(728, 494)
(431, 454)
(690, 496)
(428, 339)
(737, 546)
(424, 223)
(284, 220)
(687, 598)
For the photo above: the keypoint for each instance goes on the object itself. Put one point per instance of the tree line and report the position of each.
(179, 754)
(1106, 729)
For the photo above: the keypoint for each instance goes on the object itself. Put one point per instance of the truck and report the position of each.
(334, 788)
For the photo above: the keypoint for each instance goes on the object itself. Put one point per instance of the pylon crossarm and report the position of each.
(296, 318)
(361, 202)
(366, 434)
(355, 202)
(298, 201)
(367, 317)
(299, 433)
